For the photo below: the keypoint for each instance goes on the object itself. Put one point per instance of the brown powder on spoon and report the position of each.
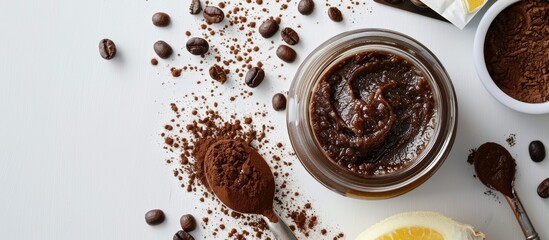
(193, 134)
(240, 178)
(495, 167)
(206, 132)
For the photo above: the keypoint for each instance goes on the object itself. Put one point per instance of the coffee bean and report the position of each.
(254, 77)
(287, 54)
(218, 73)
(195, 7)
(107, 49)
(197, 46)
(161, 19)
(543, 188)
(154, 217)
(537, 151)
(187, 222)
(268, 28)
(289, 36)
(393, 1)
(213, 14)
(182, 235)
(306, 7)
(176, 72)
(279, 102)
(162, 49)
(335, 14)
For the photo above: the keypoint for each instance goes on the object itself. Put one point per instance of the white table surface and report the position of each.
(80, 155)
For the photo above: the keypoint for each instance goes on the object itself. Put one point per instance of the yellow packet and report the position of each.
(458, 12)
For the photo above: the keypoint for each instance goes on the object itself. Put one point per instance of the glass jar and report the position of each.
(311, 154)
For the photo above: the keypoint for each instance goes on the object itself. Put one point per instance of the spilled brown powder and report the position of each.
(235, 46)
(511, 140)
(195, 130)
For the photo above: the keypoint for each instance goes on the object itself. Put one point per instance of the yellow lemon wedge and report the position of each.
(420, 226)
(474, 5)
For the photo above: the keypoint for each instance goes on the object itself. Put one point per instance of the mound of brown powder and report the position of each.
(516, 51)
(240, 177)
(495, 167)
(187, 137)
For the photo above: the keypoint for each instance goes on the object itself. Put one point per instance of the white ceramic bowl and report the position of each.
(482, 71)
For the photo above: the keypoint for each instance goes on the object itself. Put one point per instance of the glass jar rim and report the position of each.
(304, 142)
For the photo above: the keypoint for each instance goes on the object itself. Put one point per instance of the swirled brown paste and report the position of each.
(371, 113)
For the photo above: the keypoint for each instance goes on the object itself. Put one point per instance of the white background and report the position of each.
(80, 155)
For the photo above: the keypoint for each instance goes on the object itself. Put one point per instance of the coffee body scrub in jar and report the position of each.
(371, 114)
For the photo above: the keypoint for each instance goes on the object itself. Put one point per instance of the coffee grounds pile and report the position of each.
(495, 167)
(516, 51)
(187, 136)
(471, 160)
(240, 177)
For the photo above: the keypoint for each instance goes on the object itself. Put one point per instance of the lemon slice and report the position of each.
(474, 5)
(416, 233)
(420, 226)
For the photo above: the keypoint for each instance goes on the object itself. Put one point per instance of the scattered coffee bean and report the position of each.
(286, 53)
(162, 49)
(154, 217)
(197, 46)
(289, 36)
(213, 14)
(335, 14)
(543, 188)
(161, 19)
(268, 28)
(254, 77)
(306, 7)
(154, 62)
(187, 222)
(107, 49)
(279, 102)
(195, 7)
(176, 72)
(537, 151)
(182, 235)
(218, 73)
